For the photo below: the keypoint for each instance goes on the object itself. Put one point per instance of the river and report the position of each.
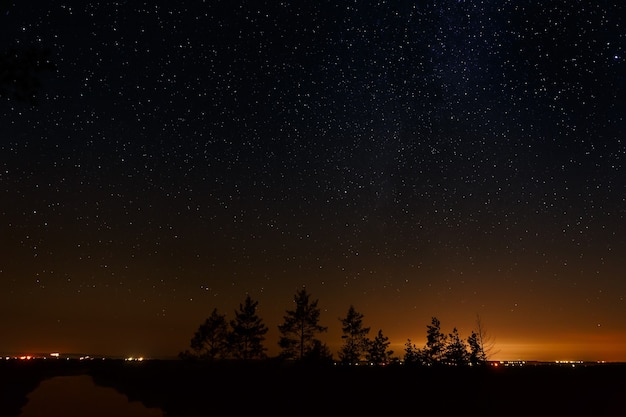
(79, 396)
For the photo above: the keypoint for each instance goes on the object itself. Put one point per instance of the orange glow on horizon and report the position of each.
(565, 347)
(572, 348)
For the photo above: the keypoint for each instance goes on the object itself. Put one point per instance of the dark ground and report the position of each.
(183, 389)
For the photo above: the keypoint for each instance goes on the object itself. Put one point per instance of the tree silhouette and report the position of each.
(378, 351)
(211, 339)
(355, 337)
(435, 348)
(476, 354)
(300, 328)
(248, 332)
(244, 338)
(455, 352)
(412, 354)
(319, 353)
(441, 349)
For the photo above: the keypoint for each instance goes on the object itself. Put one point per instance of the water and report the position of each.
(79, 396)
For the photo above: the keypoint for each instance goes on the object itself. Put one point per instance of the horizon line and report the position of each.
(89, 357)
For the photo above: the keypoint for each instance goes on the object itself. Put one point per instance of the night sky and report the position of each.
(413, 159)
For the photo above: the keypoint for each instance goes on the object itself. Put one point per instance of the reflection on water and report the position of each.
(78, 396)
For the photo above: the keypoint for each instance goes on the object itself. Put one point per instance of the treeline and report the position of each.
(243, 338)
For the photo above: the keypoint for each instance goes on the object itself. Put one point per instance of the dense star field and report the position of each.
(414, 159)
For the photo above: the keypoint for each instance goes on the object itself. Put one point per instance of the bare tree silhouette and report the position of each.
(485, 341)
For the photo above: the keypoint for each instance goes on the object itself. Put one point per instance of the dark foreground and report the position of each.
(184, 389)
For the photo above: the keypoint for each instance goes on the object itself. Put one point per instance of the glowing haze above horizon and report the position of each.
(415, 159)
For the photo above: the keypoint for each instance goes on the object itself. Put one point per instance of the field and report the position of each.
(183, 389)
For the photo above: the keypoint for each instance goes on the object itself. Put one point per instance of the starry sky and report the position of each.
(447, 158)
